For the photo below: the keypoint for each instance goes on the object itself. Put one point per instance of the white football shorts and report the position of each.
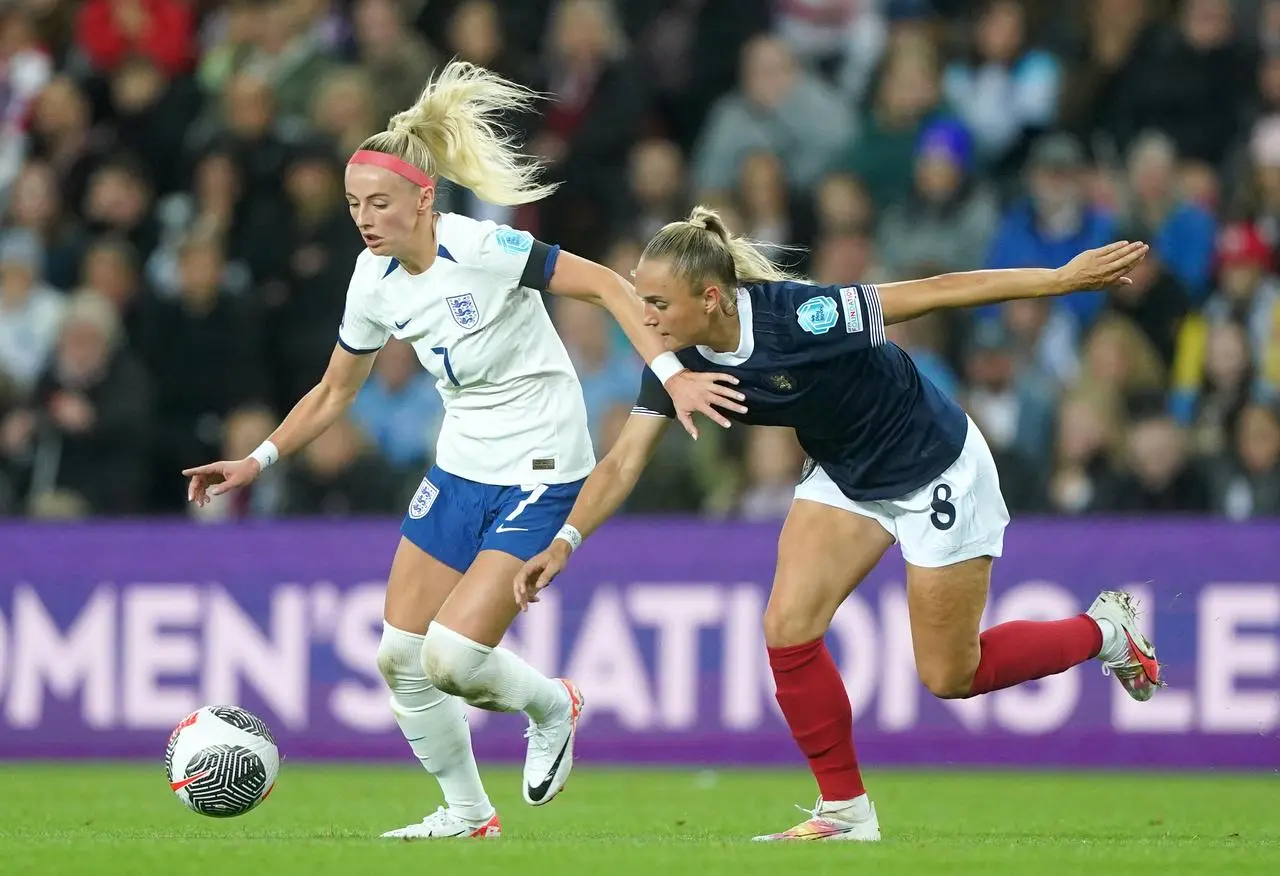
(959, 515)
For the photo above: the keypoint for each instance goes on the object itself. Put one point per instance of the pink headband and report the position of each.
(397, 166)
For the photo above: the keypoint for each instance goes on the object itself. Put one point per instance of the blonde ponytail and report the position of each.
(454, 131)
(701, 249)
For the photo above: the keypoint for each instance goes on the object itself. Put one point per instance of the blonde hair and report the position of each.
(701, 249)
(454, 132)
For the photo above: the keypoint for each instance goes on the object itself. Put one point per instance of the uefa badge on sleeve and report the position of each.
(818, 315)
(514, 242)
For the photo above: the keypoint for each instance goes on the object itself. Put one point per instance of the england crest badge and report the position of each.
(464, 311)
(423, 499)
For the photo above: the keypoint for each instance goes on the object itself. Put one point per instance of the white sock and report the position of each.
(1115, 645)
(434, 724)
(490, 678)
(856, 809)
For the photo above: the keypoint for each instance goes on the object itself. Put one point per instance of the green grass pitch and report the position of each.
(86, 819)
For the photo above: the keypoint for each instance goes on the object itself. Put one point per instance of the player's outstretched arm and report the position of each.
(1101, 268)
(606, 488)
(576, 277)
(316, 411)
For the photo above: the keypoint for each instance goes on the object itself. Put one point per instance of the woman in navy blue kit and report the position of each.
(890, 459)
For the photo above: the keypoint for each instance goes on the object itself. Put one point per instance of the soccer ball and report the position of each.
(222, 761)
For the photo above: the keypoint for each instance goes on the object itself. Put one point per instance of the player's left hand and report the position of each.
(1103, 268)
(539, 571)
(692, 391)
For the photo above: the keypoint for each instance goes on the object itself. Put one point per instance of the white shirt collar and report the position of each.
(746, 341)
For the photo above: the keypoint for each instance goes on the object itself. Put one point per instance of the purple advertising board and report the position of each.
(111, 633)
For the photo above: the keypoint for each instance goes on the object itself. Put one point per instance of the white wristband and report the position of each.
(666, 366)
(571, 535)
(266, 453)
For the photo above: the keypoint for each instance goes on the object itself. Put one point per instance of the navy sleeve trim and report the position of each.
(540, 266)
(653, 400)
(356, 351)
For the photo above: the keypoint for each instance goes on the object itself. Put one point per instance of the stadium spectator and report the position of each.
(906, 98)
(1181, 232)
(396, 58)
(1055, 221)
(35, 204)
(658, 187)
(1007, 89)
(1191, 79)
(30, 313)
(950, 214)
(203, 349)
(779, 108)
(85, 437)
(1246, 478)
(110, 32)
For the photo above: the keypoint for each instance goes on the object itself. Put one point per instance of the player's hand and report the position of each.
(1102, 268)
(217, 478)
(692, 391)
(537, 574)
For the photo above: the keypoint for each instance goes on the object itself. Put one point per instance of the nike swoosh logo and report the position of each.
(539, 791)
(179, 785)
(401, 325)
(511, 529)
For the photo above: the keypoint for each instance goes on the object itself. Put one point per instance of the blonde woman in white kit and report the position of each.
(513, 450)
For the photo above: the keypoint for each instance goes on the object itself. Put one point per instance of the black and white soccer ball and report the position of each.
(222, 761)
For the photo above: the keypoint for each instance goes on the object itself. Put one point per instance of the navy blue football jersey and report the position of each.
(816, 358)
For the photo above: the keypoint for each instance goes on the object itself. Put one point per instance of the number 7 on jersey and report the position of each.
(443, 352)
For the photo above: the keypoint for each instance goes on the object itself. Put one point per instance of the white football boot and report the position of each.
(549, 758)
(833, 820)
(1130, 658)
(443, 824)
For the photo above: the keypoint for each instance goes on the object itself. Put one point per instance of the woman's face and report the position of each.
(670, 305)
(386, 208)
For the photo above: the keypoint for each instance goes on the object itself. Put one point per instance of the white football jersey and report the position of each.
(514, 413)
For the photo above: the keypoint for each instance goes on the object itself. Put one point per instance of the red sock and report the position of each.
(1024, 650)
(816, 706)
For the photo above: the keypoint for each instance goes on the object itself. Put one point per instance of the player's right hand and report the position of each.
(1103, 268)
(692, 391)
(217, 478)
(537, 573)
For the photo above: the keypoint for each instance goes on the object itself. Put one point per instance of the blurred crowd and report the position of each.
(175, 247)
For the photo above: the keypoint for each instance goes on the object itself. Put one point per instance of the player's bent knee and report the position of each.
(786, 626)
(450, 661)
(399, 658)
